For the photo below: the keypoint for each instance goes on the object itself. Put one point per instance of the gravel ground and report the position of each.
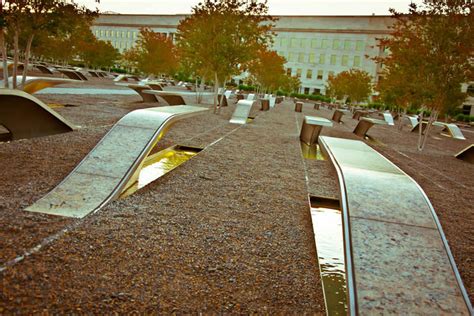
(215, 235)
(229, 231)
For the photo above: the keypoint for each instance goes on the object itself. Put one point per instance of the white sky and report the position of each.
(277, 7)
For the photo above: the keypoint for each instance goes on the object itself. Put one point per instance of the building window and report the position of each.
(347, 45)
(298, 72)
(309, 74)
(128, 34)
(303, 43)
(312, 58)
(283, 42)
(330, 74)
(291, 56)
(107, 33)
(301, 57)
(356, 61)
(134, 34)
(306, 90)
(325, 43)
(314, 43)
(294, 43)
(320, 75)
(322, 59)
(359, 45)
(333, 59)
(288, 71)
(336, 44)
(345, 60)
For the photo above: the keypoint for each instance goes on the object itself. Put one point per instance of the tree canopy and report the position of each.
(221, 37)
(153, 54)
(353, 84)
(430, 56)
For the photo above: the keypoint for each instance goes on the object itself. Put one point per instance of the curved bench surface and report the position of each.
(71, 74)
(27, 117)
(365, 124)
(241, 112)
(398, 259)
(44, 69)
(388, 118)
(453, 130)
(103, 174)
(147, 97)
(170, 97)
(35, 84)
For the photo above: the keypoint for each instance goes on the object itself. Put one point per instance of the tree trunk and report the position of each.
(423, 137)
(27, 58)
(401, 116)
(3, 48)
(15, 58)
(197, 89)
(216, 92)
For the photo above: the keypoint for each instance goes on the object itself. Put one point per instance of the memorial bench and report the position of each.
(241, 112)
(397, 258)
(73, 74)
(113, 164)
(338, 113)
(311, 128)
(452, 129)
(365, 124)
(24, 116)
(467, 154)
(35, 84)
(43, 69)
(147, 97)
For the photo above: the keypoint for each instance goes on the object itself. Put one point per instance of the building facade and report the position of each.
(315, 47)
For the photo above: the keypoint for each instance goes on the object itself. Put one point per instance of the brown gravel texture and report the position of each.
(227, 232)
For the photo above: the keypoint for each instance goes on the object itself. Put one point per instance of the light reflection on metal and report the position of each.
(327, 227)
(311, 152)
(35, 84)
(157, 165)
(241, 112)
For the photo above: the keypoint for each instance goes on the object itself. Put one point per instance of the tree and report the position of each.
(354, 84)
(431, 50)
(3, 47)
(267, 69)
(31, 18)
(221, 37)
(153, 54)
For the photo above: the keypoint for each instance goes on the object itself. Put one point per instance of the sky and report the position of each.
(277, 7)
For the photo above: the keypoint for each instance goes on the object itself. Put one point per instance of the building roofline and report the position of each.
(274, 15)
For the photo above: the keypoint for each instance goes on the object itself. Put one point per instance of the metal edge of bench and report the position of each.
(346, 224)
(163, 127)
(350, 278)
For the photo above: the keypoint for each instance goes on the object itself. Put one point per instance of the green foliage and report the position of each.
(464, 118)
(247, 88)
(313, 97)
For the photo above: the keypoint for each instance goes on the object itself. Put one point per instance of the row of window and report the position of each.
(312, 58)
(309, 73)
(320, 43)
(117, 34)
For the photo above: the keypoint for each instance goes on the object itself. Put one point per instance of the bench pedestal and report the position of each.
(311, 129)
(298, 106)
(265, 104)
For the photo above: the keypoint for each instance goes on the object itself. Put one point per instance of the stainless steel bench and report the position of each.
(311, 128)
(365, 124)
(114, 162)
(451, 129)
(147, 97)
(338, 113)
(241, 112)
(467, 154)
(27, 117)
(397, 258)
